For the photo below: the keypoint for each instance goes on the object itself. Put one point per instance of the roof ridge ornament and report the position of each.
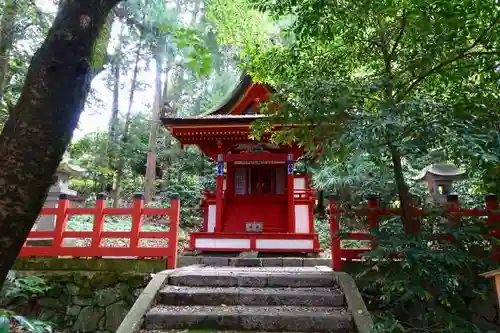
(255, 148)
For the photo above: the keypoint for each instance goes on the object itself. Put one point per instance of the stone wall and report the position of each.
(95, 299)
(89, 301)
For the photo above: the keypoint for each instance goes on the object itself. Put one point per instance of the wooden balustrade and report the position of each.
(453, 214)
(137, 212)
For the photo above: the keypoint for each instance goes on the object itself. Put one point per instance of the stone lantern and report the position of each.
(495, 277)
(439, 179)
(60, 186)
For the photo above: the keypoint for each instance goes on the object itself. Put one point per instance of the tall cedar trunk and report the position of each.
(126, 130)
(41, 125)
(115, 106)
(6, 40)
(111, 147)
(112, 144)
(166, 111)
(149, 187)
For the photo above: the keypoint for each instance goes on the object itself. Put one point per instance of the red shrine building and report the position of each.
(259, 203)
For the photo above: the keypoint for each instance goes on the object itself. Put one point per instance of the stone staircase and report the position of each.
(264, 299)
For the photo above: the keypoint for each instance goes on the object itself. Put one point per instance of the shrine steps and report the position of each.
(252, 318)
(265, 299)
(180, 295)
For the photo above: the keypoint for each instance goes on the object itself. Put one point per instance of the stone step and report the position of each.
(205, 331)
(273, 261)
(253, 318)
(181, 295)
(253, 277)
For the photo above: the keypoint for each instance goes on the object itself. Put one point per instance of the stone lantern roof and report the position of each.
(441, 171)
(71, 170)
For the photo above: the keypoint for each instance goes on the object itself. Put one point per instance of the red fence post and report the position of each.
(373, 215)
(494, 224)
(334, 233)
(98, 226)
(173, 242)
(61, 221)
(137, 207)
(453, 206)
(416, 217)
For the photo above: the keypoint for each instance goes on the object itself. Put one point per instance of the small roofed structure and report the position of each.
(259, 203)
(61, 178)
(59, 186)
(439, 179)
(495, 277)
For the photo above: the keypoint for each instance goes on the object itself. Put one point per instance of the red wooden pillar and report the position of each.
(173, 241)
(373, 215)
(137, 208)
(416, 222)
(494, 224)
(334, 233)
(61, 221)
(98, 226)
(453, 205)
(290, 194)
(219, 193)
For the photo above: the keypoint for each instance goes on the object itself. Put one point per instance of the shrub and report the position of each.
(429, 288)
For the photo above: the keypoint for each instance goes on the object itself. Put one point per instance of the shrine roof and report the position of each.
(227, 105)
(231, 109)
(212, 119)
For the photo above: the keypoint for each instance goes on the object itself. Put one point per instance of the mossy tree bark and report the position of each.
(42, 122)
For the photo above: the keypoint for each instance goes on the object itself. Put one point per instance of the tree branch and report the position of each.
(400, 35)
(461, 54)
(40, 16)
(123, 14)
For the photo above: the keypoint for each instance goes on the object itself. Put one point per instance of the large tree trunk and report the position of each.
(41, 125)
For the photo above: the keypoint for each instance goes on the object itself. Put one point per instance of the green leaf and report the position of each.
(4, 323)
(25, 323)
(490, 158)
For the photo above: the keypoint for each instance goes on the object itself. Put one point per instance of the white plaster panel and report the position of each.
(216, 243)
(304, 244)
(299, 183)
(301, 219)
(211, 218)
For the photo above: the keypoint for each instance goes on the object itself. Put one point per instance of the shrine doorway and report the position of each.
(259, 180)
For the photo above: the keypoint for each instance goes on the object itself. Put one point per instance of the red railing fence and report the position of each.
(373, 212)
(137, 212)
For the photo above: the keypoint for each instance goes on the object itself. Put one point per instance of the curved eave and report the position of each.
(209, 121)
(237, 96)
